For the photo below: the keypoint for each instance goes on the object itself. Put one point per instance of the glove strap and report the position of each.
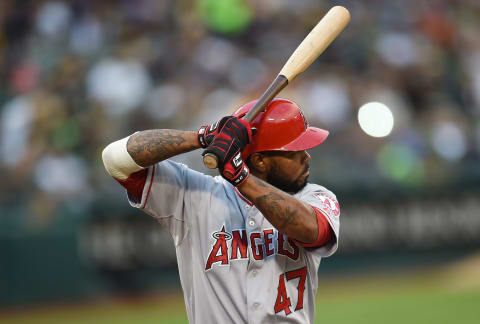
(241, 177)
(236, 171)
(201, 136)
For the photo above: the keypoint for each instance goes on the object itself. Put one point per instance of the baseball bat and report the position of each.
(319, 38)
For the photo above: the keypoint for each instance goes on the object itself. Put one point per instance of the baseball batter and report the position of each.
(248, 242)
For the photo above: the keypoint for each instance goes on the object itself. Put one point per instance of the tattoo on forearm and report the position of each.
(272, 204)
(288, 217)
(151, 146)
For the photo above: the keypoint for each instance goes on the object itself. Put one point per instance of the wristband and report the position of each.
(201, 136)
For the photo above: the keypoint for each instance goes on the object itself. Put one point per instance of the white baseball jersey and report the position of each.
(235, 267)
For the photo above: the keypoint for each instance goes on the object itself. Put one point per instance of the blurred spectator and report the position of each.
(119, 85)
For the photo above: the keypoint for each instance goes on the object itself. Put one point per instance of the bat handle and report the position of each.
(210, 160)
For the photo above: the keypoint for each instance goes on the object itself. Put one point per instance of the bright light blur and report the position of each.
(375, 119)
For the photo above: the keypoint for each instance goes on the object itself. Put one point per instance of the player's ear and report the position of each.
(258, 163)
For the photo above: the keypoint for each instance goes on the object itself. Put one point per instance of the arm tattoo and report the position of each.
(286, 213)
(152, 146)
(271, 204)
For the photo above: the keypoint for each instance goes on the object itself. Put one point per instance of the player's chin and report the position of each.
(288, 185)
(303, 182)
(302, 179)
(299, 184)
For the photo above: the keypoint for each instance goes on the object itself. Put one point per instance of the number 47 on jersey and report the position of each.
(283, 301)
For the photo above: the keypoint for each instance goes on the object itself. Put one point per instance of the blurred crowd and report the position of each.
(77, 75)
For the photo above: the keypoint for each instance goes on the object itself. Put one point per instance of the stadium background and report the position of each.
(76, 75)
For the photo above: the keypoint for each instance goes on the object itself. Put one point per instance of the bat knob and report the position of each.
(210, 160)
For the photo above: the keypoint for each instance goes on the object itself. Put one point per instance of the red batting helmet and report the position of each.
(281, 127)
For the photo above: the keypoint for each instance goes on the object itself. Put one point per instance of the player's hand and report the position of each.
(207, 133)
(227, 145)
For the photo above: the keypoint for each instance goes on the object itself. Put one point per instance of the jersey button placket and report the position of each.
(250, 219)
(255, 281)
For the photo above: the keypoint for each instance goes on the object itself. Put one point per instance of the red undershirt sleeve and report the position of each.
(324, 231)
(134, 183)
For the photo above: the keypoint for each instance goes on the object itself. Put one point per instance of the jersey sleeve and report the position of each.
(168, 190)
(324, 231)
(325, 202)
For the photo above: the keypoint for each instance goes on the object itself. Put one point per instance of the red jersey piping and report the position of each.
(149, 187)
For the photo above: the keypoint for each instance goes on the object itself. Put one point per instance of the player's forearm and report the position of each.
(287, 214)
(152, 146)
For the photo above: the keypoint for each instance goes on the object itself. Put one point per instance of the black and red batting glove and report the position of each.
(227, 145)
(207, 133)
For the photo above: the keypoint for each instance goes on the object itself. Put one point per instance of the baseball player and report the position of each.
(248, 242)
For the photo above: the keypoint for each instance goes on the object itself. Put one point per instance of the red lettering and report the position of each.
(220, 245)
(256, 255)
(283, 302)
(281, 248)
(296, 250)
(302, 274)
(268, 241)
(239, 243)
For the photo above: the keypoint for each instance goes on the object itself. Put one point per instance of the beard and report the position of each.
(281, 181)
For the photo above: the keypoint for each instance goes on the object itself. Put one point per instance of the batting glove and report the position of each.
(207, 133)
(227, 145)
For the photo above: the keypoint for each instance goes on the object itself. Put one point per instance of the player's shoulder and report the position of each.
(313, 188)
(321, 198)
(196, 178)
(181, 170)
(176, 166)
(179, 166)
